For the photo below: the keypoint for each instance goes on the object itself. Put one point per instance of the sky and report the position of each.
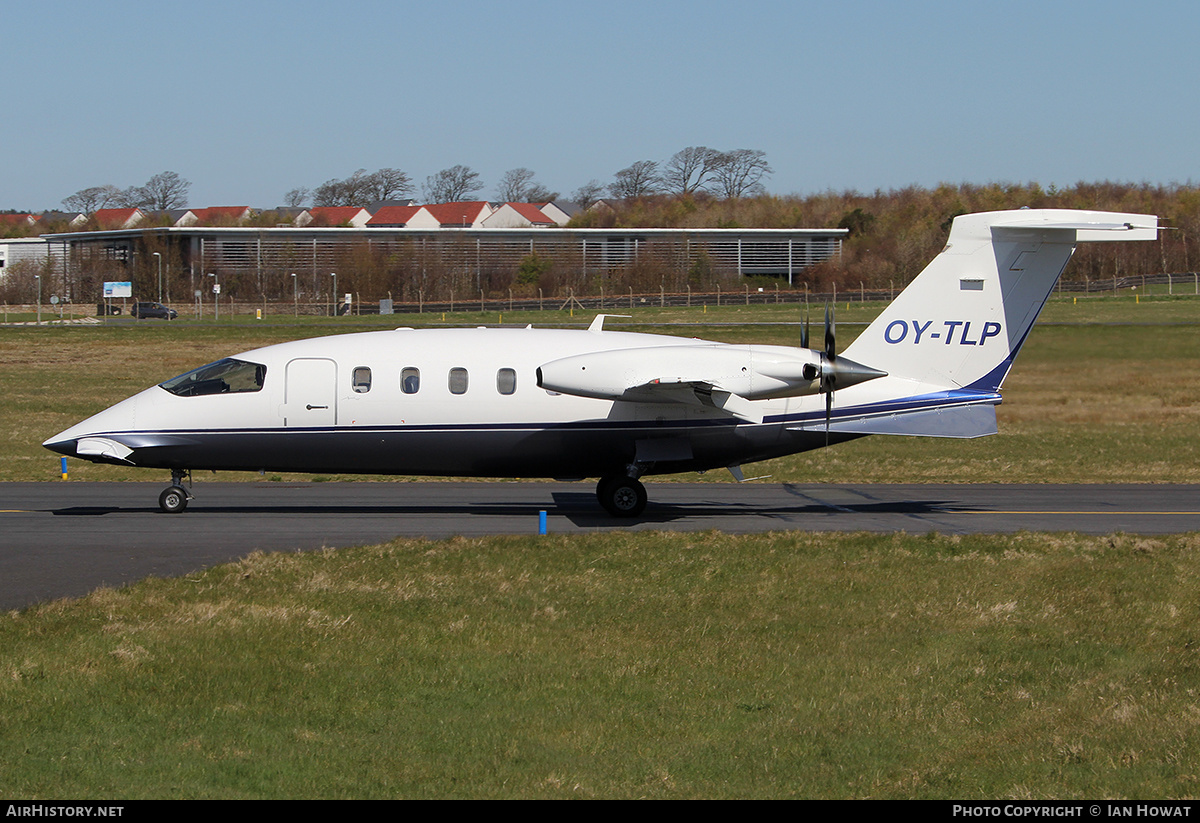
(248, 100)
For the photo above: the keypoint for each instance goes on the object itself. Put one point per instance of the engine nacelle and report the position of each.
(752, 372)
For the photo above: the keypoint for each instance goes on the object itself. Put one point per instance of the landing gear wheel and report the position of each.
(173, 500)
(621, 496)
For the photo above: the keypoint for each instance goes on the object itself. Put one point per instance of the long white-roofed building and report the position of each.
(410, 264)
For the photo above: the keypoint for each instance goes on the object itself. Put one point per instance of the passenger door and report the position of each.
(310, 395)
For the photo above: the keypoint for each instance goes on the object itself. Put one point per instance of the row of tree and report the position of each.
(450, 185)
(725, 174)
(163, 191)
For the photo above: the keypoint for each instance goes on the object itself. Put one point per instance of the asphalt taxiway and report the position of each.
(65, 539)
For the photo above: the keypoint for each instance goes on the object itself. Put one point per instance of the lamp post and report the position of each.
(333, 274)
(216, 296)
(295, 295)
(159, 256)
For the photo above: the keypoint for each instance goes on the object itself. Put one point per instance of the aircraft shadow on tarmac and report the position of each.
(581, 508)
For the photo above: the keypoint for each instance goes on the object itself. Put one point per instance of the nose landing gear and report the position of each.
(174, 499)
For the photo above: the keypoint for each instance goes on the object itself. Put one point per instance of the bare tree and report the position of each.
(90, 199)
(133, 197)
(297, 197)
(452, 185)
(637, 180)
(519, 186)
(690, 169)
(361, 187)
(353, 191)
(540, 194)
(588, 193)
(739, 173)
(386, 184)
(329, 193)
(166, 190)
(513, 185)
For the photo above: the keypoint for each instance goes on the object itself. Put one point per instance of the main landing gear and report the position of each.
(174, 498)
(621, 495)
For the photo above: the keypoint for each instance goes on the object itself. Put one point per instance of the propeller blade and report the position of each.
(828, 406)
(830, 334)
(829, 367)
(804, 331)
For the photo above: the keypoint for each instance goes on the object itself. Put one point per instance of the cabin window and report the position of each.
(228, 376)
(458, 380)
(506, 381)
(410, 380)
(361, 379)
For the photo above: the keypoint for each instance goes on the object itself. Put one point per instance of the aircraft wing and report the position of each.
(701, 393)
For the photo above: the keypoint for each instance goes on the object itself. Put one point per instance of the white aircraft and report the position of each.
(513, 402)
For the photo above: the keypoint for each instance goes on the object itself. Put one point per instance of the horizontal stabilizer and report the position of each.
(1145, 228)
(959, 422)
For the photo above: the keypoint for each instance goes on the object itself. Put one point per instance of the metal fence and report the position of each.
(465, 301)
(1179, 283)
(781, 253)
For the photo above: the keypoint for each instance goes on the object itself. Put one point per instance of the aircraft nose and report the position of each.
(89, 436)
(62, 445)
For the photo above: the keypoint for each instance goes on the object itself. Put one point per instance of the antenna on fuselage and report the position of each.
(598, 323)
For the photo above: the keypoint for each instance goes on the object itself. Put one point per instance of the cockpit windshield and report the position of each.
(226, 376)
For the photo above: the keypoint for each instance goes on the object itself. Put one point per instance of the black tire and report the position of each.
(621, 496)
(173, 500)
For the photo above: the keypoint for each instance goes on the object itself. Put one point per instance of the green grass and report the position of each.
(1106, 389)
(648, 665)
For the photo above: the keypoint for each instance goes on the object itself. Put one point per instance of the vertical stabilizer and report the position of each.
(961, 322)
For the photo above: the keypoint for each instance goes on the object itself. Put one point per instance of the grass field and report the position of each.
(648, 665)
(651, 665)
(1107, 389)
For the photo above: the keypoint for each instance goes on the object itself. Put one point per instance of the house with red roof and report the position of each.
(339, 216)
(220, 216)
(560, 212)
(465, 215)
(402, 217)
(518, 216)
(55, 220)
(108, 219)
(16, 223)
(171, 217)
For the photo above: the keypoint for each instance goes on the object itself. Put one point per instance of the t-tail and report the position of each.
(949, 339)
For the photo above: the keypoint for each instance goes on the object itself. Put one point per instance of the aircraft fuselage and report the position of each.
(461, 402)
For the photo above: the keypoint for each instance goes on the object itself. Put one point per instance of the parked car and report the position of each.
(143, 310)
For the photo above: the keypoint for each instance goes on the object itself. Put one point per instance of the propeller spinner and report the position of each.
(834, 373)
